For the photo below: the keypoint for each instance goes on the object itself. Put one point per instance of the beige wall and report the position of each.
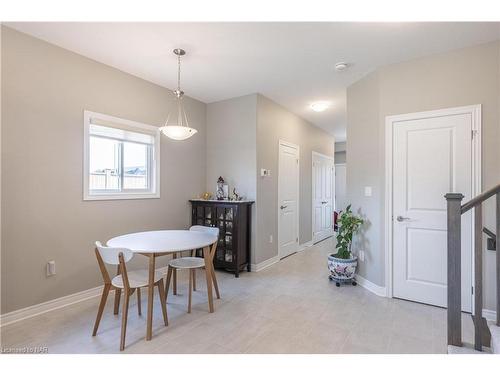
(462, 77)
(242, 137)
(275, 123)
(231, 148)
(340, 152)
(44, 92)
(365, 169)
(231, 138)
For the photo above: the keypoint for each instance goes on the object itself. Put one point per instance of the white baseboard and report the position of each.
(489, 314)
(382, 292)
(44, 307)
(305, 245)
(374, 288)
(269, 262)
(260, 266)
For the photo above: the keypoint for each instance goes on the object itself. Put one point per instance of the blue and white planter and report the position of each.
(342, 270)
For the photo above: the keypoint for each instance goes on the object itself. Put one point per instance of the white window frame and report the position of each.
(154, 159)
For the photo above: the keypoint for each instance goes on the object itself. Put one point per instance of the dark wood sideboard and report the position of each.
(233, 218)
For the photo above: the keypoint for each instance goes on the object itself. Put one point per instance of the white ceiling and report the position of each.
(291, 63)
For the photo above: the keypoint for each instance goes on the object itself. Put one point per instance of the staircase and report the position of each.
(486, 333)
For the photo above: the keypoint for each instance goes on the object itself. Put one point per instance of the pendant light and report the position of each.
(180, 129)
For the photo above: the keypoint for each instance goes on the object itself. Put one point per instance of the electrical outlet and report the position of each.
(51, 267)
(271, 238)
(361, 255)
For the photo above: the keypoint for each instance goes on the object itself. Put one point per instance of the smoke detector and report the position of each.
(341, 66)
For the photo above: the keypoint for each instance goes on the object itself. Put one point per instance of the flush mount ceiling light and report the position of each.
(320, 106)
(341, 66)
(180, 129)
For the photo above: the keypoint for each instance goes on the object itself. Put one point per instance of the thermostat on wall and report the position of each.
(265, 172)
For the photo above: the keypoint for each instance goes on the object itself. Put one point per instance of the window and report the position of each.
(121, 158)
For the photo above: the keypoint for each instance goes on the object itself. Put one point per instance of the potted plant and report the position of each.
(342, 265)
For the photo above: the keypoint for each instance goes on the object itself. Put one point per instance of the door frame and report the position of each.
(332, 159)
(475, 112)
(293, 145)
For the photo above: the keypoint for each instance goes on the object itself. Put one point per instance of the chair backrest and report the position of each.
(201, 228)
(114, 256)
(110, 254)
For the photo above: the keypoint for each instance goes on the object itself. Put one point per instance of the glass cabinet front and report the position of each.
(221, 217)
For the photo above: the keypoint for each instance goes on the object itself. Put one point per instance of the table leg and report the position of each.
(208, 272)
(151, 286)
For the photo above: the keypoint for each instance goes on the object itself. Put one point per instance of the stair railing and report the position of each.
(454, 211)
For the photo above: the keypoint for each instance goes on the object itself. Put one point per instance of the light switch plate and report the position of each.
(51, 268)
(368, 191)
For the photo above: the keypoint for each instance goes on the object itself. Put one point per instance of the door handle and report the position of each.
(283, 207)
(324, 202)
(402, 218)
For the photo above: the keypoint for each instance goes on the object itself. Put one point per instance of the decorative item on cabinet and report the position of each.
(233, 218)
(222, 191)
(206, 196)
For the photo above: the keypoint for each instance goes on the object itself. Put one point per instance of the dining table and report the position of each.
(153, 244)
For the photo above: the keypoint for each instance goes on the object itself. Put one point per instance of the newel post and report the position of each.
(453, 201)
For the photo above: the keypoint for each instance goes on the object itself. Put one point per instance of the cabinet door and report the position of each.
(198, 214)
(209, 216)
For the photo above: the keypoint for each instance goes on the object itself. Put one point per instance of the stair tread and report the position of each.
(466, 349)
(495, 337)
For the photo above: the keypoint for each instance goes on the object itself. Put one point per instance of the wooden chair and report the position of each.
(128, 281)
(192, 264)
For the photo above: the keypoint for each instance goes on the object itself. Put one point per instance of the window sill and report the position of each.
(125, 196)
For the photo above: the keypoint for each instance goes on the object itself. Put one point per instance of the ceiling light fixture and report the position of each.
(341, 66)
(179, 130)
(320, 106)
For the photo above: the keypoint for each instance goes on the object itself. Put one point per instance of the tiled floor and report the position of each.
(290, 307)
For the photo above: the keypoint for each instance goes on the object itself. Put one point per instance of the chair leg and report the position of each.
(190, 290)
(167, 285)
(118, 293)
(194, 279)
(139, 301)
(216, 286)
(174, 284)
(163, 303)
(102, 304)
(126, 297)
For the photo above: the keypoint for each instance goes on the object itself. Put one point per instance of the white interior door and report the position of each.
(340, 187)
(323, 185)
(288, 199)
(431, 157)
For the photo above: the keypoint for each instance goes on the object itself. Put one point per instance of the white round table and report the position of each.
(163, 242)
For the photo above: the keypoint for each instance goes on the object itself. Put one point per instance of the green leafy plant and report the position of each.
(348, 225)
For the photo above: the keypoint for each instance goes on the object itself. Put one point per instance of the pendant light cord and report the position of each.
(179, 72)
